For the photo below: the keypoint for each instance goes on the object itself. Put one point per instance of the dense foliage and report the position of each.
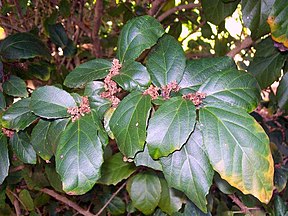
(150, 126)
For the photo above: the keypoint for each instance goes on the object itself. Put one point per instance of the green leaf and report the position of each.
(282, 93)
(51, 102)
(15, 86)
(39, 139)
(116, 206)
(58, 35)
(278, 22)
(170, 127)
(232, 87)
(53, 177)
(171, 200)
(189, 170)
(144, 190)
(280, 178)
(87, 72)
(280, 208)
(18, 116)
(23, 46)
(40, 71)
(198, 71)
(137, 35)
(129, 122)
(54, 132)
(133, 76)
(22, 147)
(255, 14)
(166, 62)
(70, 49)
(231, 135)
(191, 209)
(144, 159)
(93, 90)
(26, 200)
(4, 158)
(267, 63)
(115, 170)
(79, 155)
(216, 11)
(2, 101)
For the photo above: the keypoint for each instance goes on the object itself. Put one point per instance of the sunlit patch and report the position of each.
(2, 33)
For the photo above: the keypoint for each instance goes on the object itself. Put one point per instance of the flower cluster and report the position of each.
(77, 112)
(7, 132)
(152, 91)
(196, 98)
(111, 86)
(166, 90)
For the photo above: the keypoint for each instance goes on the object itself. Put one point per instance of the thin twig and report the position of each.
(98, 12)
(111, 198)
(155, 6)
(175, 9)
(244, 209)
(66, 201)
(194, 30)
(247, 42)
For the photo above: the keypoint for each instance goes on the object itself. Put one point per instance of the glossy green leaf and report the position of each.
(278, 22)
(129, 121)
(87, 72)
(58, 34)
(53, 177)
(144, 159)
(170, 127)
(2, 101)
(115, 170)
(133, 76)
(280, 207)
(171, 200)
(267, 63)
(189, 170)
(137, 35)
(216, 11)
(51, 102)
(233, 87)
(282, 93)
(144, 190)
(55, 129)
(191, 209)
(116, 206)
(40, 71)
(198, 71)
(79, 155)
(22, 147)
(280, 178)
(166, 62)
(23, 46)
(93, 90)
(26, 200)
(4, 158)
(19, 115)
(231, 135)
(15, 86)
(39, 139)
(255, 14)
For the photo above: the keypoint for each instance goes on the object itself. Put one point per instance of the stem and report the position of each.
(98, 12)
(66, 201)
(247, 42)
(237, 201)
(155, 6)
(175, 9)
(111, 198)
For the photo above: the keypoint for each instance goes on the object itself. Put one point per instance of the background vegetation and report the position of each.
(43, 41)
